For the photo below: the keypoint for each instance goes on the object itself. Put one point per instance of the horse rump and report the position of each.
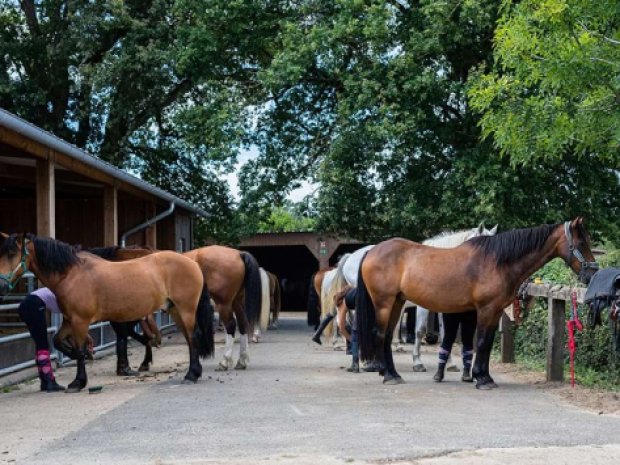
(366, 318)
(203, 339)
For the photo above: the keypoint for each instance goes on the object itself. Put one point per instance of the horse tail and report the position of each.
(366, 317)
(277, 298)
(203, 329)
(252, 287)
(314, 302)
(265, 300)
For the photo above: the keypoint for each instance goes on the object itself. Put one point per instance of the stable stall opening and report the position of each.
(293, 265)
(343, 249)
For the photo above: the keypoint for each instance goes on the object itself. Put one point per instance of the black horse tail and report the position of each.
(366, 318)
(203, 328)
(314, 304)
(252, 287)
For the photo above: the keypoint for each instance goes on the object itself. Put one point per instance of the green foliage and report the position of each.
(556, 88)
(597, 363)
(282, 219)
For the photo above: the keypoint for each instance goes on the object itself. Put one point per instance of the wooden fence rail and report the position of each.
(557, 297)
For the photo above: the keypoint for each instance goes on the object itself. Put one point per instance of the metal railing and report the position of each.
(104, 337)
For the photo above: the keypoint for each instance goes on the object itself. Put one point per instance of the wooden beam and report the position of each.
(46, 198)
(555, 340)
(508, 339)
(110, 216)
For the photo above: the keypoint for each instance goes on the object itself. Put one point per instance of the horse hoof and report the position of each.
(255, 339)
(143, 368)
(484, 387)
(419, 368)
(189, 381)
(453, 368)
(240, 366)
(393, 381)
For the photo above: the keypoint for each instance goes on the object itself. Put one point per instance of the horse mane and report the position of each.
(509, 246)
(54, 256)
(107, 253)
(448, 238)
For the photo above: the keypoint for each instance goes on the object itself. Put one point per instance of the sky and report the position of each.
(251, 153)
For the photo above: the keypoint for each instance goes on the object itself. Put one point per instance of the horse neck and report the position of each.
(532, 262)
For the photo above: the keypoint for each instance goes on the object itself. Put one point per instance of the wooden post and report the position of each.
(555, 340)
(110, 216)
(151, 231)
(46, 198)
(508, 339)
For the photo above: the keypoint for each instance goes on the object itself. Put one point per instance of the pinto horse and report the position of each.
(89, 289)
(483, 274)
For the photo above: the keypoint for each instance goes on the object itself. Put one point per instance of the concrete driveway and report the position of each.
(297, 405)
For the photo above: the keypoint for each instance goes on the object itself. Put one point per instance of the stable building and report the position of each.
(294, 257)
(52, 188)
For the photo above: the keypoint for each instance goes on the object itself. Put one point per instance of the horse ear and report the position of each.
(481, 228)
(574, 223)
(493, 230)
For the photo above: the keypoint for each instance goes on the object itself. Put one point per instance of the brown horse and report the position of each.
(233, 280)
(89, 289)
(314, 297)
(483, 275)
(275, 299)
(151, 335)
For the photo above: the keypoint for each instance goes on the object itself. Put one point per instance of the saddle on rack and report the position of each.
(604, 291)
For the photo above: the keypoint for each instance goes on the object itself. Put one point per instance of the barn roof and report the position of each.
(32, 132)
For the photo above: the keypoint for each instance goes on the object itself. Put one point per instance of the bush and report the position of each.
(596, 361)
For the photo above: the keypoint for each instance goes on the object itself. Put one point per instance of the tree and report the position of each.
(555, 89)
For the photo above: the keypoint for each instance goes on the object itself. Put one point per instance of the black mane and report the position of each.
(54, 256)
(107, 253)
(509, 246)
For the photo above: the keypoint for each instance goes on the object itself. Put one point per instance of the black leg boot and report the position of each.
(438, 378)
(122, 361)
(324, 322)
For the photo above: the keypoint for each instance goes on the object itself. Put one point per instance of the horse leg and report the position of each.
(450, 365)
(62, 339)
(230, 324)
(146, 341)
(244, 327)
(420, 331)
(484, 345)
(185, 320)
(122, 339)
(391, 376)
(80, 331)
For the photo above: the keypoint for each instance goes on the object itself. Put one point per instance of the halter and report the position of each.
(22, 264)
(573, 251)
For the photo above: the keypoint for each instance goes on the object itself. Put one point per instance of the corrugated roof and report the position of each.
(29, 130)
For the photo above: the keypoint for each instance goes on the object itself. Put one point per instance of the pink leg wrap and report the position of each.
(44, 363)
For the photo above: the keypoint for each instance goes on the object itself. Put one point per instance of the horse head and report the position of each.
(14, 260)
(576, 250)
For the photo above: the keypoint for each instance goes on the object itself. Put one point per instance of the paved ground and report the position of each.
(296, 405)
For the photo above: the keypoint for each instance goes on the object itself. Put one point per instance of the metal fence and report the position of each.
(101, 332)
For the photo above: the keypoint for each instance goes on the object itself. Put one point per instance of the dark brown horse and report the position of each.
(91, 289)
(483, 274)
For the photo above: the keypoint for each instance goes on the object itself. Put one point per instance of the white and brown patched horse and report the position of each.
(271, 303)
(483, 274)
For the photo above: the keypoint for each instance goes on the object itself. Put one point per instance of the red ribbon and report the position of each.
(572, 325)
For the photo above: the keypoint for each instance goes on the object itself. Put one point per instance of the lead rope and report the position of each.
(572, 325)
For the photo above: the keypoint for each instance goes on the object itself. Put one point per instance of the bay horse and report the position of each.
(234, 283)
(233, 280)
(483, 274)
(89, 289)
